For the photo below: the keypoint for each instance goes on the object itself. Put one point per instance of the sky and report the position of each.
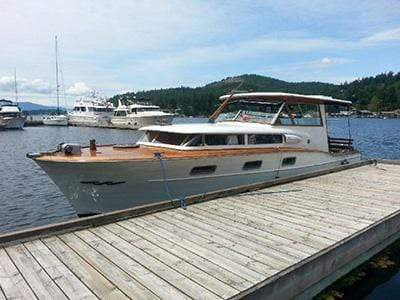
(130, 45)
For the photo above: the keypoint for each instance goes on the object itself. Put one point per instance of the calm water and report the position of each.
(28, 198)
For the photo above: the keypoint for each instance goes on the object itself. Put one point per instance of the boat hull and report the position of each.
(13, 122)
(100, 187)
(138, 122)
(89, 120)
(55, 120)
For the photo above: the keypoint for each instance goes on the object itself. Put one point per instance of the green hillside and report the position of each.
(381, 92)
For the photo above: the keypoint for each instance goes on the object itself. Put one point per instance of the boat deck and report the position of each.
(145, 153)
(279, 242)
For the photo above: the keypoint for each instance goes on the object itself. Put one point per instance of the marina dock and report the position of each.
(291, 238)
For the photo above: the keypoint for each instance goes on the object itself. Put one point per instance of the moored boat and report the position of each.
(58, 119)
(11, 115)
(137, 115)
(250, 138)
(91, 110)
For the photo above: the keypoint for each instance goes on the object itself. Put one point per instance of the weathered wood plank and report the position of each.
(291, 217)
(175, 262)
(233, 280)
(243, 246)
(95, 281)
(158, 286)
(291, 209)
(128, 285)
(268, 216)
(271, 256)
(58, 272)
(12, 283)
(181, 282)
(296, 204)
(273, 241)
(43, 286)
(314, 242)
(259, 270)
(216, 258)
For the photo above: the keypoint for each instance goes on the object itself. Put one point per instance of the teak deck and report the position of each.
(279, 242)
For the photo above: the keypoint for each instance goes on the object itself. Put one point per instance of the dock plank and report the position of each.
(218, 272)
(12, 283)
(158, 286)
(175, 262)
(128, 285)
(184, 284)
(95, 281)
(42, 285)
(58, 272)
(216, 258)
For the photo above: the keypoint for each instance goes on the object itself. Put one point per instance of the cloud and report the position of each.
(37, 86)
(78, 89)
(383, 36)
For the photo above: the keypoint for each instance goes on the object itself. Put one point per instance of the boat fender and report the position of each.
(71, 149)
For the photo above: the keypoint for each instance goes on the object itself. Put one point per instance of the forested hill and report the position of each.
(381, 92)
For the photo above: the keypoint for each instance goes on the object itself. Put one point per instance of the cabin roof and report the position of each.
(285, 97)
(218, 128)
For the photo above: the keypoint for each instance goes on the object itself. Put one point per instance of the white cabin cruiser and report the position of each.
(91, 111)
(264, 136)
(135, 116)
(11, 115)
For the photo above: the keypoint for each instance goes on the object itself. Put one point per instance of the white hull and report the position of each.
(13, 122)
(138, 122)
(107, 186)
(89, 120)
(60, 120)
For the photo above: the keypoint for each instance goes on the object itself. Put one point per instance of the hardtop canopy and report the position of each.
(284, 97)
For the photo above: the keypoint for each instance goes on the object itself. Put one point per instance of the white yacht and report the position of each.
(58, 119)
(261, 137)
(135, 116)
(91, 111)
(11, 115)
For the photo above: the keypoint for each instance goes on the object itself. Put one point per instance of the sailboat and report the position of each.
(56, 120)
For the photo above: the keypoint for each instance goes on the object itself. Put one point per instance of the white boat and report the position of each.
(91, 110)
(263, 136)
(59, 119)
(135, 116)
(11, 115)
(55, 120)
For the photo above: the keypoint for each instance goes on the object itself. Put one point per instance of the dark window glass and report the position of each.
(256, 164)
(265, 139)
(203, 170)
(215, 140)
(288, 161)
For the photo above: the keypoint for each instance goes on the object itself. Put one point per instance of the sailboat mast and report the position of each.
(15, 85)
(57, 85)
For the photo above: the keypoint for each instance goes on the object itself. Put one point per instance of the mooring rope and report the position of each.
(182, 201)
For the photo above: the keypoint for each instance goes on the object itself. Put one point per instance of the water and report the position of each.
(28, 198)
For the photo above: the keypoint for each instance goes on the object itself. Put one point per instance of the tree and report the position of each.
(375, 104)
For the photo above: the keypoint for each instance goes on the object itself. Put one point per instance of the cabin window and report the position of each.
(300, 114)
(90, 108)
(255, 164)
(288, 161)
(120, 113)
(220, 139)
(83, 108)
(167, 138)
(203, 170)
(259, 139)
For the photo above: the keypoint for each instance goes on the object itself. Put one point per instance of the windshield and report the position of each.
(250, 111)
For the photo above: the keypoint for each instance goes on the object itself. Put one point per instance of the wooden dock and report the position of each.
(284, 241)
